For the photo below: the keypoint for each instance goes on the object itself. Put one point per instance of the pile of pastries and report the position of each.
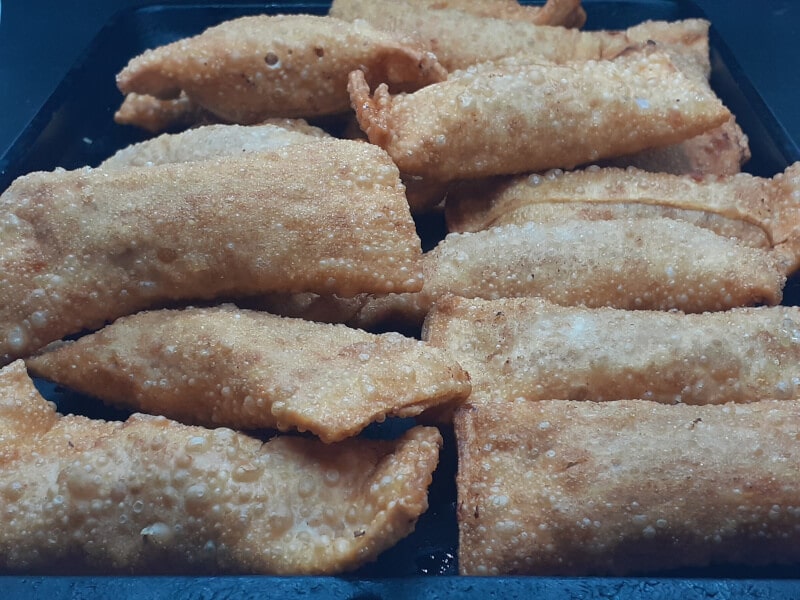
(600, 323)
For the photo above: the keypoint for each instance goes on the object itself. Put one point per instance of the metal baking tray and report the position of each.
(75, 128)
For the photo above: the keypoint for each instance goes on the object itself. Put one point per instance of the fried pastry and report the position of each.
(655, 263)
(626, 487)
(460, 39)
(531, 349)
(212, 141)
(152, 496)
(252, 68)
(563, 13)
(156, 115)
(252, 370)
(756, 211)
(720, 151)
(536, 117)
(78, 248)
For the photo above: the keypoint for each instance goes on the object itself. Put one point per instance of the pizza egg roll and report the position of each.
(78, 248)
(154, 496)
(532, 349)
(536, 117)
(460, 38)
(155, 115)
(244, 369)
(252, 68)
(626, 487)
(563, 13)
(649, 263)
(758, 212)
(212, 141)
(720, 151)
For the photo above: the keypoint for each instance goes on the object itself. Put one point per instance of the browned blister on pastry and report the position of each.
(151, 495)
(156, 115)
(626, 487)
(248, 69)
(757, 211)
(252, 370)
(212, 141)
(535, 117)
(78, 248)
(531, 349)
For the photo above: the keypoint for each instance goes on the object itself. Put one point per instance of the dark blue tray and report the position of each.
(75, 127)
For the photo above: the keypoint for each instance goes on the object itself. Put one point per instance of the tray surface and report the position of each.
(76, 128)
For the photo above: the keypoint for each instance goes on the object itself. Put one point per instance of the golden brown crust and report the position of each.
(628, 487)
(460, 39)
(656, 263)
(720, 151)
(535, 117)
(722, 204)
(152, 496)
(252, 68)
(528, 348)
(213, 141)
(563, 13)
(81, 247)
(756, 211)
(251, 370)
(155, 115)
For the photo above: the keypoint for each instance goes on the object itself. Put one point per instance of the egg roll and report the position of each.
(222, 366)
(150, 495)
(212, 141)
(723, 150)
(155, 115)
(757, 211)
(535, 117)
(534, 350)
(460, 39)
(627, 487)
(252, 68)
(79, 248)
(563, 13)
(654, 263)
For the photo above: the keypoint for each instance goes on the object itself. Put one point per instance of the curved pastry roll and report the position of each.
(651, 263)
(213, 141)
(557, 13)
(252, 370)
(155, 115)
(756, 211)
(462, 37)
(524, 118)
(152, 496)
(252, 68)
(78, 248)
